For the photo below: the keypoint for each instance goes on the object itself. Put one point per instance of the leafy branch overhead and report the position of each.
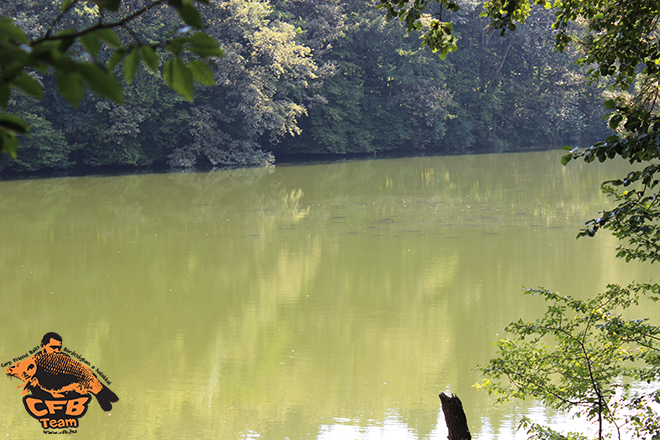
(436, 33)
(89, 57)
(430, 18)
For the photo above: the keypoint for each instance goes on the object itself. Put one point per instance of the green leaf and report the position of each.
(29, 85)
(130, 65)
(65, 5)
(201, 73)
(179, 78)
(12, 123)
(566, 159)
(109, 37)
(90, 44)
(102, 83)
(116, 58)
(175, 45)
(71, 85)
(14, 55)
(204, 46)
(150, 57)
(65, 44)
(610, 104)
(9, 30)
(190, 15)
(4, 94)
(8, 143)
(9, 72)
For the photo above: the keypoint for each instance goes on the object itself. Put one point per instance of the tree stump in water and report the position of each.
(455, 417)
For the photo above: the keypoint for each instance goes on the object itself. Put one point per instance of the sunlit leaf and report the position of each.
(615, 120)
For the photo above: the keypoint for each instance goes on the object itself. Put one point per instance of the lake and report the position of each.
(320, 301)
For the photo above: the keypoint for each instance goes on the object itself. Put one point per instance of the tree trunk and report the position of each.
(455, 417)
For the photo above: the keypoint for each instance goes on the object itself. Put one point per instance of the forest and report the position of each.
(321, 79)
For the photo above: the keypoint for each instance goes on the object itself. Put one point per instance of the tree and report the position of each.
(263, 84)
(84, 44)
(383, 94)
(312, 77)
(584, 357)
(580, 353)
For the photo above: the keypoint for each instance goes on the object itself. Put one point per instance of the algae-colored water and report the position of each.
(327, 301)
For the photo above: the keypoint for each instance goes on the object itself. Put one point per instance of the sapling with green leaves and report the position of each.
(584, 357)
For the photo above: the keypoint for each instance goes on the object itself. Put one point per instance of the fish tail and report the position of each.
(105, 397)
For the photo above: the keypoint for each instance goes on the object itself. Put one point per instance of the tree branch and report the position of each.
(98, 26)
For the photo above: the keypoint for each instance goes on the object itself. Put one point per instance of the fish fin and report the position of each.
(105, 397)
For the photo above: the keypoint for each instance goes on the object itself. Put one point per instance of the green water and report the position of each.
(330, 301)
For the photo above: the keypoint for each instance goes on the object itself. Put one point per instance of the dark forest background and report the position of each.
(316, 79)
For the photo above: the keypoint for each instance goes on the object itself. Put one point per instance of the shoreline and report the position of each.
(280, 160)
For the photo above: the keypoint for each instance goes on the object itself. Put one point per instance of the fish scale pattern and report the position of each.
(59, 363)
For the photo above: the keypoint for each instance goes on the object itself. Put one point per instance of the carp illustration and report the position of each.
(59, 375)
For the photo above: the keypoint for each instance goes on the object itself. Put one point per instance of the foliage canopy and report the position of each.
(322, 77)
(76, 59)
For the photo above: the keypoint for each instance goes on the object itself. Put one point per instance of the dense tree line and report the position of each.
(321, 77)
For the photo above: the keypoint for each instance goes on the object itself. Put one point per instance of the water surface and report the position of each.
(328, 301)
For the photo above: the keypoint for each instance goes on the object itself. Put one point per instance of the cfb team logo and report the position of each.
(59, 385)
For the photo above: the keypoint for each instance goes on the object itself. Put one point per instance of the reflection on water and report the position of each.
(321, 301)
